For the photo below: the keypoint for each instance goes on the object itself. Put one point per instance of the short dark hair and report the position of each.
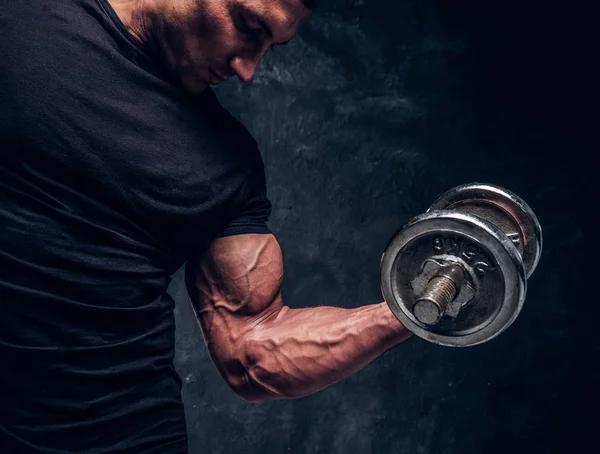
(310, 4)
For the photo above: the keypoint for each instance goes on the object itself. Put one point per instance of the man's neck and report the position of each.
(131, 13)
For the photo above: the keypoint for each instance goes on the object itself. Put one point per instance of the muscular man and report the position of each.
(118, 166)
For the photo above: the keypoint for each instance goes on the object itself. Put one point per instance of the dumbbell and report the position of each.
(457, 274)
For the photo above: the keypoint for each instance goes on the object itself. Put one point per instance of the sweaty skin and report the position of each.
(263, 349)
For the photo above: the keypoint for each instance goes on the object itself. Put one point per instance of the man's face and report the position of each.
(207, 41)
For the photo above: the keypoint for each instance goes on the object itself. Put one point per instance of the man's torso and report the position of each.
(109, 178)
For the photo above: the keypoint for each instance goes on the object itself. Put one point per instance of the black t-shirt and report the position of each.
(111, 177)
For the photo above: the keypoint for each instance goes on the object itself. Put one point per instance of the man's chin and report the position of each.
(193, 84)
(196, 87)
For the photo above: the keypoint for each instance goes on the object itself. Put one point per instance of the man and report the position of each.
(118, 166)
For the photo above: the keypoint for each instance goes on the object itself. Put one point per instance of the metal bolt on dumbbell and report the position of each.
(457, 274)
(438, 294)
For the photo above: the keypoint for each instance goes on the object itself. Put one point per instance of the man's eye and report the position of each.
(246, 28)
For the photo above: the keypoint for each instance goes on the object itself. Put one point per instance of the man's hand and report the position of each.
(265, 350)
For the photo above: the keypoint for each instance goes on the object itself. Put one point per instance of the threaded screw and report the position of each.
(438, 294)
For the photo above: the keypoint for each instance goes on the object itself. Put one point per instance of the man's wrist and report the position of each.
(400, 332)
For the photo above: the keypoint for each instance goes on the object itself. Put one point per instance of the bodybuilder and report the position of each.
(118, 166)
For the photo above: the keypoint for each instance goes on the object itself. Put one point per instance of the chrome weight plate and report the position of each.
(502, 208)
(492, 265)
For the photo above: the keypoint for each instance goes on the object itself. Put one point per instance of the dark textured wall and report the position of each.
(373, 110)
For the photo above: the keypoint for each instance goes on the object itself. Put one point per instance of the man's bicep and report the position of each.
(234, 286)
(239, 276)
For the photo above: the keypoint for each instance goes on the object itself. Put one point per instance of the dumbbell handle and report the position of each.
(438, 294)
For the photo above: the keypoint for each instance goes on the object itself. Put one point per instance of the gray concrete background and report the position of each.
(373, 110)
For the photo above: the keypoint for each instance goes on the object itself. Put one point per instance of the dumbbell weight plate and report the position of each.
(502, 208)
(493, 264)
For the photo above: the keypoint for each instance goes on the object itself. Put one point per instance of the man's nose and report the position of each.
(245, 66)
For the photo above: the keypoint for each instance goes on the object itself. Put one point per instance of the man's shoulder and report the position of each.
(231, 129)
(210, 102)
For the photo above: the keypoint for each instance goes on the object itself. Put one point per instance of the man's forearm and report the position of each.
(295, 352)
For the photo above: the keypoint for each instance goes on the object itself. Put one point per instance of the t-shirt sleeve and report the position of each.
(254, 213)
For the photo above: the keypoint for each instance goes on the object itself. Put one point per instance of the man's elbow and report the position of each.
(250, 381)
(248, 391)
(262, 380)
(252, 391)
